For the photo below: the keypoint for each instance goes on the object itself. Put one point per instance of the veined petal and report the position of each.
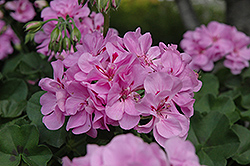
(48, 102)
(145, 42)
(84, 128)
(129, 107)
(128, 122)
(116, 110)
(54, 120)
(58, 69)
(77, 120)
(169, 127)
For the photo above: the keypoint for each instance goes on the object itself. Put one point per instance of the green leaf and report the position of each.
(222, 104)
(246, 73)
(245, 94)
(26, 69)
(233, 81)
(11, 64)
(213, 138)
(210, 85)
(53, 137)
(242, 155)
(11, 108)
(14, 89)
(30, 63)
(245, 115)
(13, 94)
(233, 94)
(245, 100)
(18, 142)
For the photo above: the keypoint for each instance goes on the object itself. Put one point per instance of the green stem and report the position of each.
(53, 19)
(106, 22)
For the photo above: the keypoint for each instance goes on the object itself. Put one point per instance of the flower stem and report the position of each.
(106, 22)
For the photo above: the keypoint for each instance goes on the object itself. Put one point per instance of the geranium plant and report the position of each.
(76, 93)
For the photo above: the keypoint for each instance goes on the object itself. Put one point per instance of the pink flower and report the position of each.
(24, 10)
(208, 44)
(181, 153)
(104, 80)
(53, 102)
(122, 96)
(123, 150)
(78, 108)
(238, 58)
(62, 8)
(166, 122)
(6, 38)
(178, 64)
(80, 14)
(140, 45)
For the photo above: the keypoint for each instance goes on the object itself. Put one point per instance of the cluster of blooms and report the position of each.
(85, 21)
(22, 11)
(119, 81)
(6, 38)
(129, 150)
(214, 42)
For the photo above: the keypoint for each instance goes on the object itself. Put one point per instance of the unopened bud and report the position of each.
(29, 37)
(75, 35)
(57, 46)
(103, 5)
(115, 3)
(40, 4)
(92, 1)
(55, 34)
(33, 26)
(66, 43)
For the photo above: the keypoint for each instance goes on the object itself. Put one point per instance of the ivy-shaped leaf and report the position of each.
(21, 142)
(53, 137)
(213, 138)
(245, 115)
(233, 94)
(15, 89)
(13, 94)
(11, 108)
(11, 64)
(245, 94)
(246, 73)
(222, 104)
(243, 154)
(210, 85)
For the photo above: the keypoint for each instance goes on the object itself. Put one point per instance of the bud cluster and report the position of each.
(59, 39)
(105, 5)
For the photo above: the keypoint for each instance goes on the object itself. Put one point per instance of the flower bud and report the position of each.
(40, 4)
(29, 37)
(66, 43)
(33, 26)
(75, 35)
(55, 34)
(103, 5)
(115, 3)
(57, 46)
(51, 45)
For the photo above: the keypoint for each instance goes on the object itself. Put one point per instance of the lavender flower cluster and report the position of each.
(208, 44)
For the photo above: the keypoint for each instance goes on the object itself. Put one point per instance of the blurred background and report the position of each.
(167, 20)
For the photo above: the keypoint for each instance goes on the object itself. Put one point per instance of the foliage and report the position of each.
(219, 129)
